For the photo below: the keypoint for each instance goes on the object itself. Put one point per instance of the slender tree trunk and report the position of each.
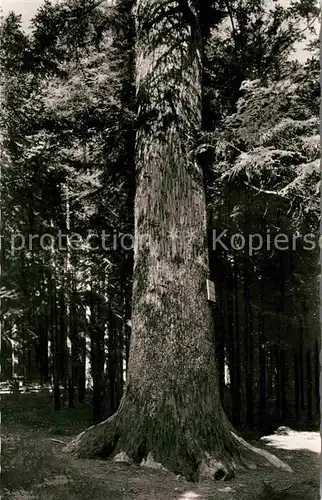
(277, 366)
(111, 363)
(171, 410)
(55, 345)
(43, 352)
(297, 386)
(77, 371)
(317, 377)
(81, 372)
(63, 359)
(280, 359)
(309, 388)
(219, 340)
(301, 373)
(234, 408)
(262, 365)
(126, 274)
(262, 386)
(74, 348)
(127, 329)
(97, 360)
(284, 386)
(119, 363)
(249, 348)
(67, 295)
(237, 356)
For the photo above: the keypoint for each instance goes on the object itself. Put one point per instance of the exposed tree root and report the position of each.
(97, 441)
(242, 456)
(268, 457)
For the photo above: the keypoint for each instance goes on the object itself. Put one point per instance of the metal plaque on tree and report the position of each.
(211, 293)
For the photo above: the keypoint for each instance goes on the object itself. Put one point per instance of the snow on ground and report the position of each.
(295, 440)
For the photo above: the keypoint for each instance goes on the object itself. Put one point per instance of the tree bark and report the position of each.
(171, 411)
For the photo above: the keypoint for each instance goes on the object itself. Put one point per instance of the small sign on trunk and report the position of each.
(211, 293)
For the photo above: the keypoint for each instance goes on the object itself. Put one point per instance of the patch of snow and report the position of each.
(190, 495)
(295, 440)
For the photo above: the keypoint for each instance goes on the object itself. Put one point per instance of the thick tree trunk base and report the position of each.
(185, 455)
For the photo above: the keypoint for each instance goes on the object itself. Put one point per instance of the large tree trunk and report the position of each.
(171, 411)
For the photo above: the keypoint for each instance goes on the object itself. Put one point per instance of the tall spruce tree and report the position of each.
(171, 411)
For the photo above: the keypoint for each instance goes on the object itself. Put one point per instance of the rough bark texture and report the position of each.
(171, 412)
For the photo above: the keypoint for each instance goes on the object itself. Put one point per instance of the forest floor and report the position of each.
(34, 466)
